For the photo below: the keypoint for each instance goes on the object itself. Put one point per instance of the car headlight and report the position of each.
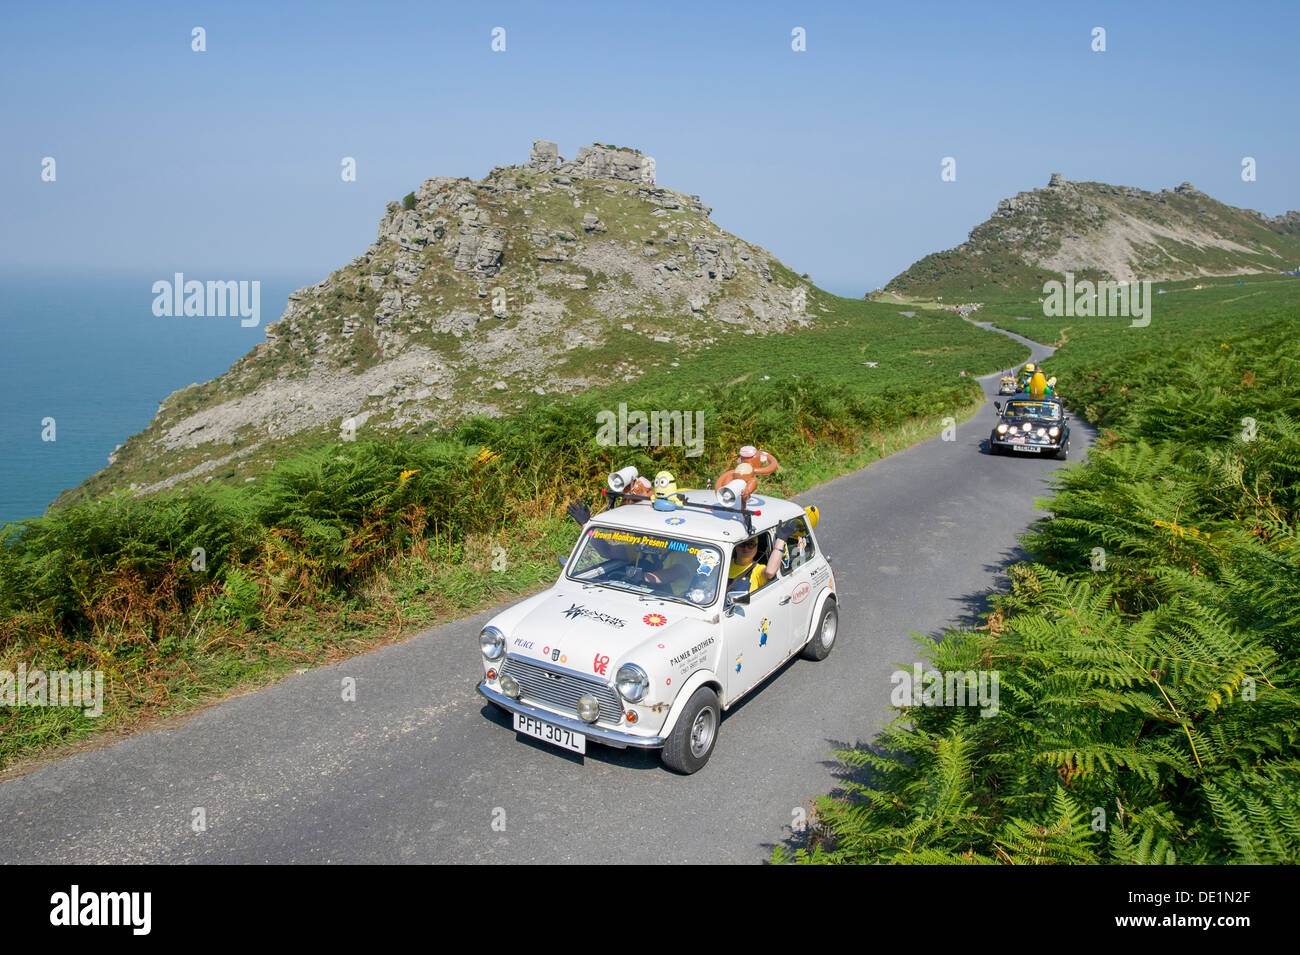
(1027, 427)
(1053, 431)
(1042, 432)
(631, 682)
(1002, 429)
(493, 643)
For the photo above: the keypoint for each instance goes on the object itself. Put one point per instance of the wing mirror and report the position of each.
(997, 406)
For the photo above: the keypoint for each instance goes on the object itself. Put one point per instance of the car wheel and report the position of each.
(1064, 453)
(691, 743)
(823, 638)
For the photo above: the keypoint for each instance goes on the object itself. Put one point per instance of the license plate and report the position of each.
(549, 733)
(1024, 447)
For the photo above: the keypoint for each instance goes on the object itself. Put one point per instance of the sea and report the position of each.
(85, 362)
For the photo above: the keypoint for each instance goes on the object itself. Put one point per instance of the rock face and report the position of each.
(481, 294)
(593, 162)
(1106, 231)
(543, 157)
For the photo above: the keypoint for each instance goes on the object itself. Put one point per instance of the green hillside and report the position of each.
(1097, 231)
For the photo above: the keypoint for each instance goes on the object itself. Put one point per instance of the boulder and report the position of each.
(543, 157)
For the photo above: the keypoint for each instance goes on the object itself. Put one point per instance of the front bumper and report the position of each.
(999, 441)
(600, 734)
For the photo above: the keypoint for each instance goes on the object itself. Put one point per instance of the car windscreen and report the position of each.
(1033, 409)
(649, 565)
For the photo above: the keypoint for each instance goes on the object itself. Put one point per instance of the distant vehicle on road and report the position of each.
(1031, 426)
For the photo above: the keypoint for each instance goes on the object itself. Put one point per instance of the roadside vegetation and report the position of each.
(1147, 653)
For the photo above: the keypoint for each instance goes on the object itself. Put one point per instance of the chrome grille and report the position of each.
(561, 689)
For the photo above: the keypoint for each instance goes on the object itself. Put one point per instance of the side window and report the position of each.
(799, 546)
(760, 560)
(764, 552)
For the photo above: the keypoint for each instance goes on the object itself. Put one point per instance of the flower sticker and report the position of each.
(654, 620)
(674, 521)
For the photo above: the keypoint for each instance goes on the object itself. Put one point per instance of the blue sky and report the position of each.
(227, 161)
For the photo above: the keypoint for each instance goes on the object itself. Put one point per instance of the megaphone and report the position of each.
(732, 493)
(622, 480)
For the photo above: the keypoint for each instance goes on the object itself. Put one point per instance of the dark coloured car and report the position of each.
(1031, 426)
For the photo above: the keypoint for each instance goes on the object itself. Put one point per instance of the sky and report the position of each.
(225, 162)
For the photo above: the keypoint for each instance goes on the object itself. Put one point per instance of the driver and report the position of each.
(668, 573)
(674, 574)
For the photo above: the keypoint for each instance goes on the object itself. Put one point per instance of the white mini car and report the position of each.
(643, 643)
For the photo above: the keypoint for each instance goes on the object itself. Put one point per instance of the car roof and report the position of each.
(717, 526)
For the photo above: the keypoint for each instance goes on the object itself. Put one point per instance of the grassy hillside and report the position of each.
(1189, 311)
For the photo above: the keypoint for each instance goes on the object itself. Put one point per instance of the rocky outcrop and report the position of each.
(543, 157)
(468, 301)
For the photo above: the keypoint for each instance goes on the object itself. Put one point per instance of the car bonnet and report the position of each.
(591, 629)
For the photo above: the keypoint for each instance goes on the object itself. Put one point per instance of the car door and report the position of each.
(756, 631)
(797, 570)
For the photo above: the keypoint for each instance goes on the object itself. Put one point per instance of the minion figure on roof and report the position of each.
(1026, 373)
(666, 495)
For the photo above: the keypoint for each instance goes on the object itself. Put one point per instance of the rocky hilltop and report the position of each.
(472, 296)
(1102, 231)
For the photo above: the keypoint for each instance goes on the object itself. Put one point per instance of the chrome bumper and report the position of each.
(1004, 443)
(600, 734)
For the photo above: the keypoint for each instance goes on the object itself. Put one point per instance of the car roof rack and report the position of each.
(745, 514)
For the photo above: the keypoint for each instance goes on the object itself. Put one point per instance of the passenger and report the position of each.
(745, 575)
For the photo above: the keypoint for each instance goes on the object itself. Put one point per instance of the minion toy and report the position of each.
(666, 495)
(1026, 375)
(1037, 385)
